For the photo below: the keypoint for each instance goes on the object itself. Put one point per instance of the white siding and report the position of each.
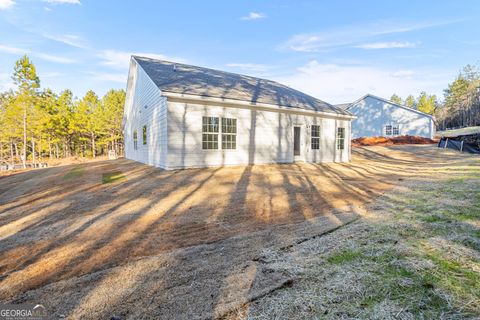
(373, 114)
(262, 137)
(145, 106)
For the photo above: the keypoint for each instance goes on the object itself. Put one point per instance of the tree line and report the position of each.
(38, 124)
(461, 104)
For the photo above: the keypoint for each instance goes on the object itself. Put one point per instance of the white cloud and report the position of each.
(121, 59)
(63, 1)
(12, 50)
(406, 74)
(254, 16)
(53, 58)
(6, 4)
(350, 35)
(345, 83)
(40, 55)
(69, 39)
(249, 66)
(386, 45)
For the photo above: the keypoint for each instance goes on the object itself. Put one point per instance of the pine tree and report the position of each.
(27, 82)
(396, 99)
(87, 120)
(427, 103)
(410, 101)
(113, 103)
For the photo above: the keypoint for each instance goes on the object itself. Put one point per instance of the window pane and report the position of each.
(144, 135)
(315, 131)
(209, 141)
(340, 144)
(396, 130)
(388, 130)
(229, 125)
(228, 141)
(209, 124)
(340, 138)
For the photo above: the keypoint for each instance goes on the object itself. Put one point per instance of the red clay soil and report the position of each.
(385, 141)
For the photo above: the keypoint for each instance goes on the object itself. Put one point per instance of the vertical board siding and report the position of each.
(373, 114)
(145, 106)
(262, 137)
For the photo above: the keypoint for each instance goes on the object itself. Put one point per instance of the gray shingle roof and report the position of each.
(193, 80)
(343, 106)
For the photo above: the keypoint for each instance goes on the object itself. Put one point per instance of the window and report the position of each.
(388, 130)
(144, 135)
(229, 133)
(340, 138)
(315, 137)
(210, 133)
(392, 130)
(396, 130)
(135, 140)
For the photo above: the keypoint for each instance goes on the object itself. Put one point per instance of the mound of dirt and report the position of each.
(375, 141)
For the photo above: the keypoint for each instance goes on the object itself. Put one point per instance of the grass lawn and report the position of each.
(110, 177)
(414, 255)
(395, 234)
(74, 173)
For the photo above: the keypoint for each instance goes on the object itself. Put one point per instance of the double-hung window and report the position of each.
(213, 136)
(229, 133)
(388, 130)
(209, 133)
(135, 140)
(315, 137)
(144, 135)
(340, 138)
(392, 130)
(396, 130)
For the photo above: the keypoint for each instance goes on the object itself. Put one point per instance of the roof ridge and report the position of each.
(208, 68)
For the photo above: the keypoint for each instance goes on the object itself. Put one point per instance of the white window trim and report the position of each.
(337, 139)
(135, 140)
(220, 134)
(312, 137)
(392, 126)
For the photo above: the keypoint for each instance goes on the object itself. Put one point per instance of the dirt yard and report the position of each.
(106, 238)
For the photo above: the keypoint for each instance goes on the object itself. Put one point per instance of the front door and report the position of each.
(296, 142)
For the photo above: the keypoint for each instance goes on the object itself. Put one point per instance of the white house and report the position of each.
(182, 116)
(379, 117)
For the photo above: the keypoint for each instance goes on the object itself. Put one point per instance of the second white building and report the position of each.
(379, 117)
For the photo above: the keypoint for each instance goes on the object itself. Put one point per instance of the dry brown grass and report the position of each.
(180, 243)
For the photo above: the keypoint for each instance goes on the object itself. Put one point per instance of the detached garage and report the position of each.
(379, 117)
(183, 116)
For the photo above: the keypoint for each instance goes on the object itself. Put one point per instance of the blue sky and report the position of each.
(334, 50)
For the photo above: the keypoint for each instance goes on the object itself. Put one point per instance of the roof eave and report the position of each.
(248, 104)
